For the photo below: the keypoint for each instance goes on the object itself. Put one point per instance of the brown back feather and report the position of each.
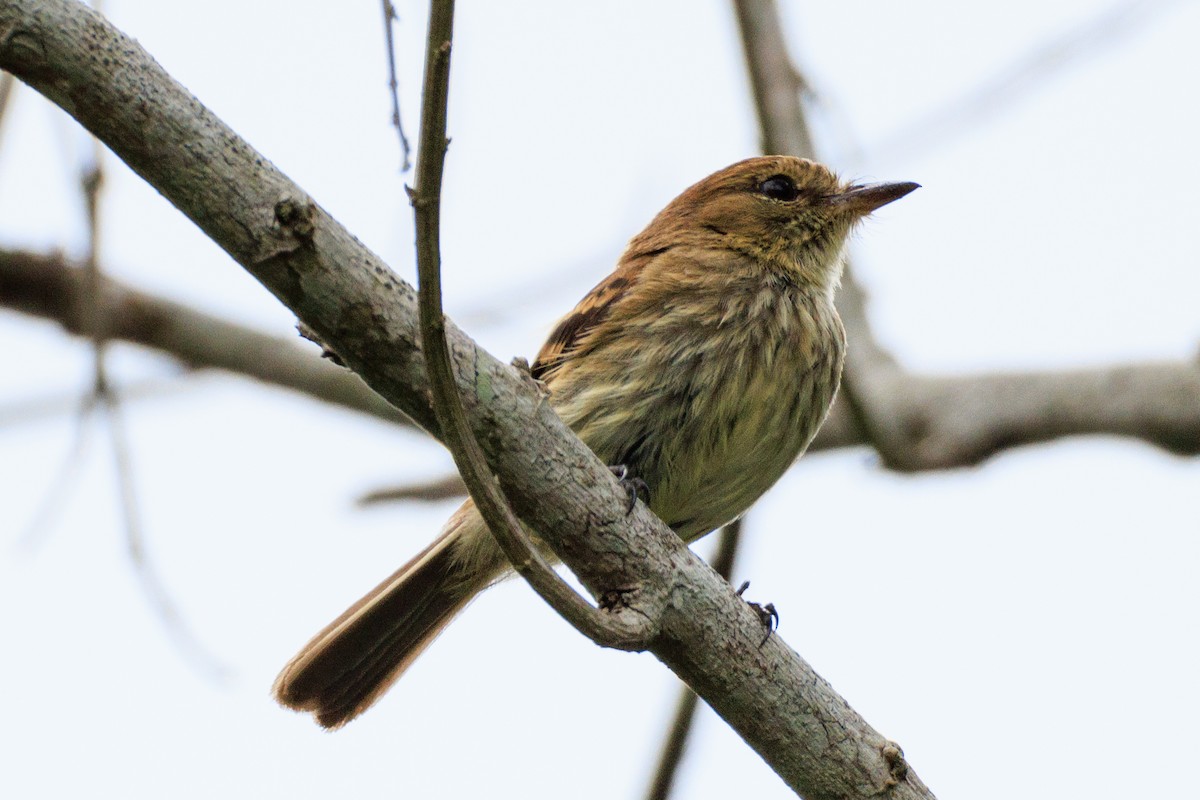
(570, 337)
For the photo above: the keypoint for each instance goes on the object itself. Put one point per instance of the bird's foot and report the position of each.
(767, 614)
(633, 486)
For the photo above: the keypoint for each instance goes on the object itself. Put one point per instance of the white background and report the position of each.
(1023, 629)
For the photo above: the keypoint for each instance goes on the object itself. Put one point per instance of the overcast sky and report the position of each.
(1023, 629)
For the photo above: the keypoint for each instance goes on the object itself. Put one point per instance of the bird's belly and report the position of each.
(729, 454)
(707, 441)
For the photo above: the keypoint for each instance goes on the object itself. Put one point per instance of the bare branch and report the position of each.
(674, 746)
(161, 602)
(920, 422)
(389, 19)
(65, 478)
(774, 81)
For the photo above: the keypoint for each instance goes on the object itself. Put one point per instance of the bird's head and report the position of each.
(787, 213)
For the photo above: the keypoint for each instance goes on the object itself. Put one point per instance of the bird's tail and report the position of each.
(348, 665)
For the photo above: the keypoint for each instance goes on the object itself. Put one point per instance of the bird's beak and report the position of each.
(865, 199)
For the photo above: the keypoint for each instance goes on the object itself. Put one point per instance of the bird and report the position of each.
(700, 368)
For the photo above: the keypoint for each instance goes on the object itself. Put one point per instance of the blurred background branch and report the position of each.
(50, 286)
(922, 422)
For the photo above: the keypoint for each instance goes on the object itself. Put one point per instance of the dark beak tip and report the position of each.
(866, 199)
(894, 191)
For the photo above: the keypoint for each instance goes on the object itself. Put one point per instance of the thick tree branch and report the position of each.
(788, 714)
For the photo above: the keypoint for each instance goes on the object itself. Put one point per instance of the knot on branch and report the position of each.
(897, 766)
(291, 230)
(21, 51)
(418, 201)
(297, 217)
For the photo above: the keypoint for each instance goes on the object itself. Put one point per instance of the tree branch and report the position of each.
(389, 21)
(711, 639)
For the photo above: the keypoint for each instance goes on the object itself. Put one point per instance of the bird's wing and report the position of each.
(573, 329)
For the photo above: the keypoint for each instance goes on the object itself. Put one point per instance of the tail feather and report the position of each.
(358, 656)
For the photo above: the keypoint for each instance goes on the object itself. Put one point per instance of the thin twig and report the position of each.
(91, 184)
(675, 742)
(8, 85)
(65, 478)
(194, 653)
(602, 628)
(444, 488)
(93, 313)
(389, 19)
(51, 406)
(674, 745)
(189, 646)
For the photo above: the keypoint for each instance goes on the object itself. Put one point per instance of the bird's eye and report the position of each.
(779, 187)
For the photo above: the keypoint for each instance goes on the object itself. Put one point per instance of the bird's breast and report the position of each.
(710, 409)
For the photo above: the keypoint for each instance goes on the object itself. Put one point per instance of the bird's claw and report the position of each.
(767, 614)
(633, 486)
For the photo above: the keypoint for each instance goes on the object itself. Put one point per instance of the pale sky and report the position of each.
(1023, 629)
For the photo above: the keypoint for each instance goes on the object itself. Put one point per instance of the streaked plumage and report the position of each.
(704, 363)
